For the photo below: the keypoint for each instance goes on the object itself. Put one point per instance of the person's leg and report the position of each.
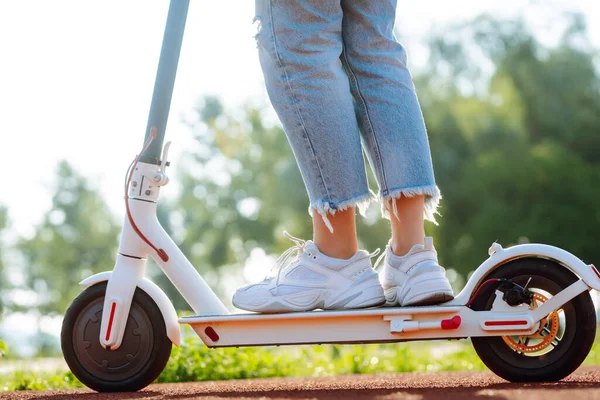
(299, 45)
(396, 143)
(407, 228)
(388, 111)
(342, 242)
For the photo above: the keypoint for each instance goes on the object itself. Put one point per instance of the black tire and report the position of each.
(578, 332)
(139, 360)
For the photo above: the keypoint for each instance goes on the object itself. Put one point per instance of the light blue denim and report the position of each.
(336, 74)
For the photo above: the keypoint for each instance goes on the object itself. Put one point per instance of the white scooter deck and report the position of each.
(375, 325)
(312, 327)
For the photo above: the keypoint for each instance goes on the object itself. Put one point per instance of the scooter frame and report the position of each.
(143, 236)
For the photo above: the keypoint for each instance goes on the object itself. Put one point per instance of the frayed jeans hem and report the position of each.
(324, 207)
(432, 200)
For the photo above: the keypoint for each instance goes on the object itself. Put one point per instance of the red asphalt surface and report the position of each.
(583, 384)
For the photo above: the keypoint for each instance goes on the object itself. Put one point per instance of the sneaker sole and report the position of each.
(360, 297)
(425, 289)
(371, 296)
(431, 299)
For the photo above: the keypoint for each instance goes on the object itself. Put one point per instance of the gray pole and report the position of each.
(165, 78)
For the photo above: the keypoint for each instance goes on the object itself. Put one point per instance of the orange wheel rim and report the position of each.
(549, 324)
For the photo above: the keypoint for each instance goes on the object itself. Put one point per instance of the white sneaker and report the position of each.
(313, 280)
(415, 278)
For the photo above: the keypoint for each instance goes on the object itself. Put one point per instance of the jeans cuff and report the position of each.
(324, 207)
(432, 200)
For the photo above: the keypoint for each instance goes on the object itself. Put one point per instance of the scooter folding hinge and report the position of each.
(156, 177)
(165, 156)
(160, 178)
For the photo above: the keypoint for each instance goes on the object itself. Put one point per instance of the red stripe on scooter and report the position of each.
(595, 270)
(110, 320)
(500, 323)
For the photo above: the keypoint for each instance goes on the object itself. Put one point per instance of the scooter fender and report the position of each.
(500, 256)
(160, 298)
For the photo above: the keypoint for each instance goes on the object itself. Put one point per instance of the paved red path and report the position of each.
(583, 384)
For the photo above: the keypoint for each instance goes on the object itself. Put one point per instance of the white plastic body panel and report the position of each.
(501, 256)
(178, 269)
(120, 289)
(133, 252)
(160, 298)
(378, 325)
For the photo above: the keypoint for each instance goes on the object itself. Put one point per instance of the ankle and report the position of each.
(342, 251)
(398, 249)
(401, 248)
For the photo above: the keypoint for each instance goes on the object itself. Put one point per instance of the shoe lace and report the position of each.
(291, 254)
(381, 256)
(287, 257)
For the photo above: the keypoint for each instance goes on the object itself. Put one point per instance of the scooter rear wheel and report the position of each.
(139, 360)
(564, 339)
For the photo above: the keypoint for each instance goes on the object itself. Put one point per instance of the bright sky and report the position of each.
(76, 79)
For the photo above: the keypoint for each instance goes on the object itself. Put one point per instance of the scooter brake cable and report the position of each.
(479, 290)
(161, 253)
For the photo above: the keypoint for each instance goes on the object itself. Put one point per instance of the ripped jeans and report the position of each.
(336, 74)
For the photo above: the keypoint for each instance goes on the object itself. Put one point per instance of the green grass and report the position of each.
(194, 362)
(29, 380)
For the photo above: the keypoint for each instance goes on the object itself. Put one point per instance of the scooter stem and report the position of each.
(165, 78)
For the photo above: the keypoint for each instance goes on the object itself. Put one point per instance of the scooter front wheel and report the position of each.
(564, 338)
(139, 360)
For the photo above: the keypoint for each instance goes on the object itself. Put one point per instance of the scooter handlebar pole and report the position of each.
(165, 78)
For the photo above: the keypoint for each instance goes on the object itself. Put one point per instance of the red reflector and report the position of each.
(452, 323)
(110, 320)
(595, 270)
(502, 323)
(210, 332)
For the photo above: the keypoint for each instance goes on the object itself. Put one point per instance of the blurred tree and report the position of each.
(77, 238)
(543, 194)
(3, 280)
(516, 153)
(3, 223)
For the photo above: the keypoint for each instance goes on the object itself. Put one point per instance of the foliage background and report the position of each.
(514, 128)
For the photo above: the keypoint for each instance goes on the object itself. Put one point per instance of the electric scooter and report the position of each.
(527, 308)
